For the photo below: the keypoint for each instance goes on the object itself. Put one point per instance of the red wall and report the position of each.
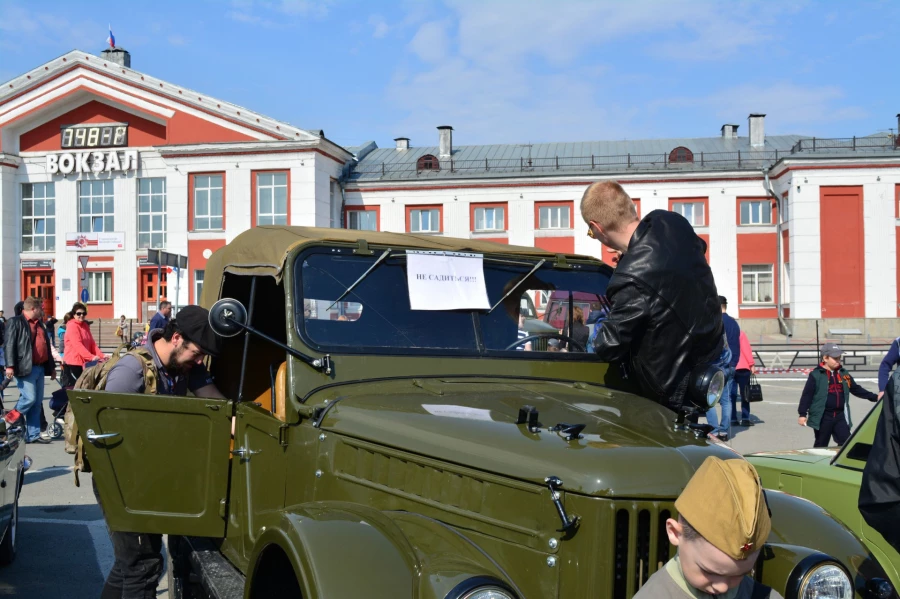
(559, 245)
(196, 261)
(757, 248)
(188, 129)
(705, 238)
(843, 253)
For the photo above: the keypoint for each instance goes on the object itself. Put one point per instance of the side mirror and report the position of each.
(706, 386)
(227, 316)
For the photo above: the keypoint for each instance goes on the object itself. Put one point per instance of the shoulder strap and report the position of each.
(151, 376)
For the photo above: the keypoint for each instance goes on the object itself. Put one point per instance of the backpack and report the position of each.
(95, 377)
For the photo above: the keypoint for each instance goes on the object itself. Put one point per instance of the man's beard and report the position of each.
(173, 366)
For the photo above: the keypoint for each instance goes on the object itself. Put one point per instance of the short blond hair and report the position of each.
(32, 302)
(607, 204)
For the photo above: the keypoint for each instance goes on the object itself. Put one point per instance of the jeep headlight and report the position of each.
(707, 382)
(481, 587)
(820, 577)
(487, 593)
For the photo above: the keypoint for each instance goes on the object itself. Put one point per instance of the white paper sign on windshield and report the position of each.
(446, 281)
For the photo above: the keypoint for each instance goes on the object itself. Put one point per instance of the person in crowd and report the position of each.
(745, 367)
(65, 379)
(162, 315)
(80, 347)
(824, 403)
(665, 317)
(122, 329)
(18, 308)
(729, 395)
(715, 555)
(2, 318)
(580, 331)
(891, 359)
(175, 356)
(28, 358)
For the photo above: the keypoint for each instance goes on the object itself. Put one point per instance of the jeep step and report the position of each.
(218, 577)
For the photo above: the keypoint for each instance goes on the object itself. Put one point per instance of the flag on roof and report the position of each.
(111, 39)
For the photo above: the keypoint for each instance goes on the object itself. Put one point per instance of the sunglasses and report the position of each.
(81, 314)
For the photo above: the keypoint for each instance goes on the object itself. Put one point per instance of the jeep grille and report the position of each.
(641, 545)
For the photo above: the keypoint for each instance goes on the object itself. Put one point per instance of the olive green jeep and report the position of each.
(402, 425)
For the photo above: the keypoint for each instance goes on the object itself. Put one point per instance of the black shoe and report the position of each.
(747, 423)
(723, 437)
(43, 440)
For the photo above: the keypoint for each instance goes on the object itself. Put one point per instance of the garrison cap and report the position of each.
(193, 323)
(724, 503)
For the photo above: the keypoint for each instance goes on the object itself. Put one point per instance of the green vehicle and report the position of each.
(374, 450)
(831, 477)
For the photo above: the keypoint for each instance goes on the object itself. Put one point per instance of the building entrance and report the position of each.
(151, 290)
(41, 283)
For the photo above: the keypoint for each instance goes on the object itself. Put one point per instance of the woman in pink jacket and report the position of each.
(742, 371)
(78, 343)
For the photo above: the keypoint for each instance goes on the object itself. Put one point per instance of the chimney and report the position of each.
(757, 130)
(120, 56)
(729, 131)
(402, 143)
(446, 141)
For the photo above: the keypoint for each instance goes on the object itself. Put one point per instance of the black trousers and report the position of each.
(138, 566)
(832, 425)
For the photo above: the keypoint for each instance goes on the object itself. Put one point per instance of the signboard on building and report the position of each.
(94, 136)
(37, 264)
(93, 162)
(79, 242)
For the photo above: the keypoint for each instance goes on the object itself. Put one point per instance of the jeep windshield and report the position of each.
(375, 316)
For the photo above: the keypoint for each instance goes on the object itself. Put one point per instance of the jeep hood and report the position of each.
(628, 447)
(808, 456)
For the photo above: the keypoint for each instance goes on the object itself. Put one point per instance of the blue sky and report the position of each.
(500, 71)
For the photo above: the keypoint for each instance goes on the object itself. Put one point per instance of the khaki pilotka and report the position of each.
(95, 378)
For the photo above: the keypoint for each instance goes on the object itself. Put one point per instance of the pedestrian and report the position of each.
(28, 358)
(80, 347)
(580, 331)
(745, 367)
(122, 330)
(162, 315)
(175, 357)
(729, 394)
(825, 402)
(66, 379)
(715, 552)
(665, 317)
(891, 359)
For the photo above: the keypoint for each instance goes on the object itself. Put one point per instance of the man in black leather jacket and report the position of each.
(665, 316)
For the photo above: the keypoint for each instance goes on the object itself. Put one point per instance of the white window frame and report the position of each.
(99, 286)
(100, 207)
(208, 215)
(752, 273)
(497, 217)
(152, 220)
(272, 216)
(369, 214)
(679, 208)
(39, 211)
(785, 210)
(198, 284)
(415, 220)
(786, 281)
(549, 214)
(759, 213)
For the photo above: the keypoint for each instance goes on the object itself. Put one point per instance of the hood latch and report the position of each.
(568, 524)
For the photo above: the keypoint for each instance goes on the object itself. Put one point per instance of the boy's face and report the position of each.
(705, 567)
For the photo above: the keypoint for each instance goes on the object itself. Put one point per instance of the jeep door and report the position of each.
(160, 463)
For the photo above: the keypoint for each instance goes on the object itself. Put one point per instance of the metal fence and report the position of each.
(782, 358)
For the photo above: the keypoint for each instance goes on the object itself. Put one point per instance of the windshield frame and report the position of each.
(479, 351)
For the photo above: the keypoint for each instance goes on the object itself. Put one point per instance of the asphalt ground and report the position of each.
(64, 549)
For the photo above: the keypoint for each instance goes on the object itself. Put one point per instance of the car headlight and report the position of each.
(707, 383)
(820, 577)
(481, 587)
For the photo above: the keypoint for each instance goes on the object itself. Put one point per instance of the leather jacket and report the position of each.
(18, 347)
(665, 316)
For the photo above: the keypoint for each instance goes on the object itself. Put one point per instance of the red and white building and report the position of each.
(101, 161)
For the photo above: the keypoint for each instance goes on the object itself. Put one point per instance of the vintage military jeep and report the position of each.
(375, 450)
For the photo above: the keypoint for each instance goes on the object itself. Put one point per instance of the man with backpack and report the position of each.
(170, 363)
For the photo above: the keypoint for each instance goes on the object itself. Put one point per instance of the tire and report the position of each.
(56, 430)
(8, 546)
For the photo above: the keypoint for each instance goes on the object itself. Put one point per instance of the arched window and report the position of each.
(681, 154)
(428, 163)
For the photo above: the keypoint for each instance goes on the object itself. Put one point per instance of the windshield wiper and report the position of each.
(517, 285)
(381, 259)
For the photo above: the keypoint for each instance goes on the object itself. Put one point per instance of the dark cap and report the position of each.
(832, 350)
(723, 301)
(193, 323)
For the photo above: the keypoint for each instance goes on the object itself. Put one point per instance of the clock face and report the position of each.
(95, 136)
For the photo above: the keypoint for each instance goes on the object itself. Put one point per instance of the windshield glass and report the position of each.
(376, 315)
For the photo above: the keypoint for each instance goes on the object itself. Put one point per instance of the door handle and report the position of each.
(245, 453)
(92, 436)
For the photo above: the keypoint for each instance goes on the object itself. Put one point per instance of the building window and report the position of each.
(425, 220)
(95, 207)
(786, 295)
(756, 212)
(785, 210)
(38, 217)
(692, 211)
(99, 286)
(681, 154)
(152, 213)
(198, 285)
(490, 219)
(554, 217)
(271, 199)
(209, 200)
(428, 163)
(362, 220)
(757, 283)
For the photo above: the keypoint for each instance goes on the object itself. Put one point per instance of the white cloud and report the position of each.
(379, 26)
(268, 13)
(431, 42)
(177, 40)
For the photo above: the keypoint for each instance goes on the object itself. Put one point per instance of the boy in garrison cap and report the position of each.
(723, 522)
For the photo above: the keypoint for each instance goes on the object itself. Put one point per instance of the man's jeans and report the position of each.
(31, 401)
(742, 384)
(725, 402)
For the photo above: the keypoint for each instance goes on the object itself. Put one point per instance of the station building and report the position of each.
(100, 162)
